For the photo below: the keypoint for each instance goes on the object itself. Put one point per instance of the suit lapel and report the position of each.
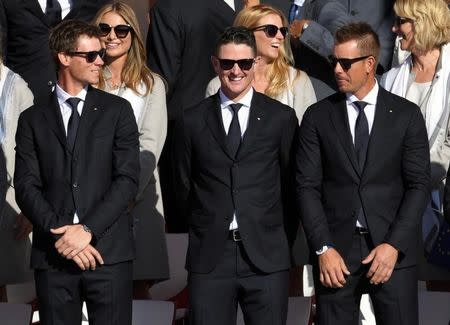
(52, 114)
(91, 111)
(34, 7)
(381, 121)
(255, 120)
(215, 124)
(339, 118)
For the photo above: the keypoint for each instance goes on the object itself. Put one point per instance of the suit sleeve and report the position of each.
(3, 31)
(287, 150)
(447, 198)
(123, 188)
(153, 133)
(27, 180)
(165, 44)
(416, 178)
(309, 184)
(181, 164)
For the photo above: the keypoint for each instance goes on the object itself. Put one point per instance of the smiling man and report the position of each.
(233, 160)
(363, 173)
(77, 166)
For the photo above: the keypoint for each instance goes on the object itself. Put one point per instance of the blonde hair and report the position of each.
(278, 71)
(135, 69)
(431, 20)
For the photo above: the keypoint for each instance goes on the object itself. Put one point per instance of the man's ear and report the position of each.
(64, 58)
(216, 64)
(371, 64)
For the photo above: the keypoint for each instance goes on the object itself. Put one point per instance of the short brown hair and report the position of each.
(64, 37)
(366, 38)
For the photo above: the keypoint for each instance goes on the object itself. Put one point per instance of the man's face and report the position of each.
(80, 71)
(357, 79)
(235, 82)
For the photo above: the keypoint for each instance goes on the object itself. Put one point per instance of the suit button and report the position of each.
(235, 165)
(235, 191)
(75, 185)
(353, 12)
(227, 218)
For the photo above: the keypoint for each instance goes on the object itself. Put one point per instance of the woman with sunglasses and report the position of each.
(423, 27)
(125, 74)
(273, 74)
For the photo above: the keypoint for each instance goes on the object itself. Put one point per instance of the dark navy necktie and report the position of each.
(361, 144)
(53, 12)
(293, 12)
(234, 132)
(361, 134)
(74, 121)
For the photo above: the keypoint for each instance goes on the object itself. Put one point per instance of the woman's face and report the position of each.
(404, 28)
(269, 47)
(115, 46)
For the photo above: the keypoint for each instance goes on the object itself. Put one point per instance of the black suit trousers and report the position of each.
(395, 302)
(213, 297)
(107, 292)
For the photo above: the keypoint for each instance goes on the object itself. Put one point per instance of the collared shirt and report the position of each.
(65, 6)
(369, 110)
(65, 108)
(66, 111)
(299, 3)
(227, 116)
(230, 3)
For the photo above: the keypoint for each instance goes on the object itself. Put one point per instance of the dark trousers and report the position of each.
(213, 297)
(107, 292)
(395, 302)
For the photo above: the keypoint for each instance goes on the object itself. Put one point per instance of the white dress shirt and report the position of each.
(352, 112)
(227, 116)
(230, 3)
(66, 111)
(65, 6)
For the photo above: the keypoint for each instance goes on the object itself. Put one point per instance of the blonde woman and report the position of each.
(125, 74)
(274, 76)
(423, 27)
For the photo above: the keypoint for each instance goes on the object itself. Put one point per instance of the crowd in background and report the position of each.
(169, 69)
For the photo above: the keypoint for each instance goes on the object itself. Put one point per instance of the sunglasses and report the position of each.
(346, 64)
(121, 31)
(401, 20)
(90, 56)
(272, 30)
(244, 64)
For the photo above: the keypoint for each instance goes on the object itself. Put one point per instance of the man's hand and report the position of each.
(383, 259)
(296, 27)
(23, 227)
(74, 239)
(88, 258)
(332, 269)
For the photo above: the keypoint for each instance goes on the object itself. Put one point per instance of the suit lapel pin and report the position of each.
(95, 109)
(258, 118)
(390, 111)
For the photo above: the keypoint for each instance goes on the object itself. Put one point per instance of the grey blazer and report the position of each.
(151, 262)
(15, 97)
(329, 15)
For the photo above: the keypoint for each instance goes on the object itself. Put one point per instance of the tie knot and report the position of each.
(73, 102)
(236, 107)
(360, 105)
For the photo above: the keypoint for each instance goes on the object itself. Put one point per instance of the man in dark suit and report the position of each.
(25, 26)
(233, 158)
(77, 166)
(363, 176)
(180, 41)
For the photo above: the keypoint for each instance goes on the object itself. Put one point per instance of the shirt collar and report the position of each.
(370, 98)
(62, 95)
(245, 101)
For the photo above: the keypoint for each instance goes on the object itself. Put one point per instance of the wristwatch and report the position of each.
(86, 228)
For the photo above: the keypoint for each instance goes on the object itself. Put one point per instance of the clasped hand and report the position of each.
(74, 244)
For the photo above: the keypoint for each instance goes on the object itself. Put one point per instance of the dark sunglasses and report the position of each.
(90, 56)
(121, 31)
(272, 30)
(244, 64)
(346, 64)
(401, 20)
